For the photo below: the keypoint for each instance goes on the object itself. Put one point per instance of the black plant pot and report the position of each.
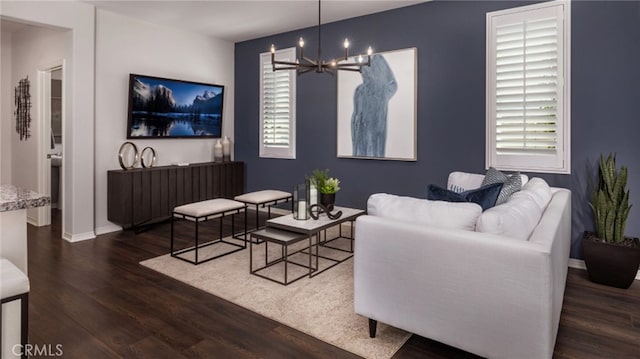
(327, 199)
(610, 264)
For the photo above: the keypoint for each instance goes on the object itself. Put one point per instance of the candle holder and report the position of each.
(301, 201)
(313, 192)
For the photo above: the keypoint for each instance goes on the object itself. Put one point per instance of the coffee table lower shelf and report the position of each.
(311, 252)
(284, 239)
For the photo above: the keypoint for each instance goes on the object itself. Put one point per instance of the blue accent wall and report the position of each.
(450, 41)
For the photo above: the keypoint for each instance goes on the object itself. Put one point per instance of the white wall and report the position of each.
(78, 154)
(125, 45)
(92, 138)
(6, 109)
(33, 49)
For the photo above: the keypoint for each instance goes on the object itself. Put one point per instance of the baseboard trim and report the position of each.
(579, 264)
(78, 237)
(109, 228)
(32, 221)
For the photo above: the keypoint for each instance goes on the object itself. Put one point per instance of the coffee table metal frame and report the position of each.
(284, 239)
(312, 228)
(325, 242)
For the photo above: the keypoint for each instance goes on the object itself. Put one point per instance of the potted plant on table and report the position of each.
(327, 186)
(611, 258)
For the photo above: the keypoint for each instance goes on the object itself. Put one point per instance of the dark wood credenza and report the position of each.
(146, 195)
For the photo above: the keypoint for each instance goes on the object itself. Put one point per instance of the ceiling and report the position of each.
(242, 20)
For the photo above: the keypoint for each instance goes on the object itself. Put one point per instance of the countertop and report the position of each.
(13, 198)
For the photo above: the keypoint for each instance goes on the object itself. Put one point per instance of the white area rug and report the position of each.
(321, 306)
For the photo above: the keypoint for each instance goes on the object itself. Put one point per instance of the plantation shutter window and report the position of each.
(528, 88)
(277, 107)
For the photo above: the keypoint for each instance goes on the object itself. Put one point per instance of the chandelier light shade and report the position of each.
(304, 64)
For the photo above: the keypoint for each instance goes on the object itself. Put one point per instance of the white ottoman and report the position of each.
(203, 211)
(264, 198)
(14, 285)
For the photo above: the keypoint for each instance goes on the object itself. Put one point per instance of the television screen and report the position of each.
(165, 108)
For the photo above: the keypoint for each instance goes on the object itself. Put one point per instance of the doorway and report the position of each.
(50, 171)
(56, 139)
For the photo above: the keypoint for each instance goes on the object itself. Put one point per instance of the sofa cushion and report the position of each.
(514, 219)
(538, 190)
(463, 181)
(484, 196)
(430, 213)
(512, 183)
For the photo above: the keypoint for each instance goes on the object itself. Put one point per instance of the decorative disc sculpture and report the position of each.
(148, 163)
(317, 209)
(125, 150)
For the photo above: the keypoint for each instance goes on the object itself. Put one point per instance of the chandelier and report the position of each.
(304, 64)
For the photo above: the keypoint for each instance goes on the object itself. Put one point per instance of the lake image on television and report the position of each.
(169, 108)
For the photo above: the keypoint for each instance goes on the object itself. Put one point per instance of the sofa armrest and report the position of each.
(481, 292)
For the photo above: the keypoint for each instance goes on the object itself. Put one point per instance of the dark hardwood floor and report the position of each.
(95, 300)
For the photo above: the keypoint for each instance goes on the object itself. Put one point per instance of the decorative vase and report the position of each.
(226, 149)
(217, 152)
(610, 264)
(328, 199)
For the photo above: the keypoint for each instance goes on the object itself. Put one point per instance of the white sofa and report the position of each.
(486, 293)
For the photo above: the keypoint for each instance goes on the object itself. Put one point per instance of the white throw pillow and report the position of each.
(463, 181)
(455, 215)
(538, 190)
(516, 218)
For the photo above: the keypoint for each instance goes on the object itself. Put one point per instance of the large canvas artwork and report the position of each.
(377, 108)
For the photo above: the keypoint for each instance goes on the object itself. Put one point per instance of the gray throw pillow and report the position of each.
(511, 183)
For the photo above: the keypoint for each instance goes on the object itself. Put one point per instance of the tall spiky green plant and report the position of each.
(609, 201)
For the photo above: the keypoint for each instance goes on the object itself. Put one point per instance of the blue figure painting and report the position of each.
(370, 106)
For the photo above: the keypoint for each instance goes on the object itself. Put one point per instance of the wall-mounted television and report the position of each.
(165, 108)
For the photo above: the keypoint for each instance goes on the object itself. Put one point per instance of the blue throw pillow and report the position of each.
(485, 196)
